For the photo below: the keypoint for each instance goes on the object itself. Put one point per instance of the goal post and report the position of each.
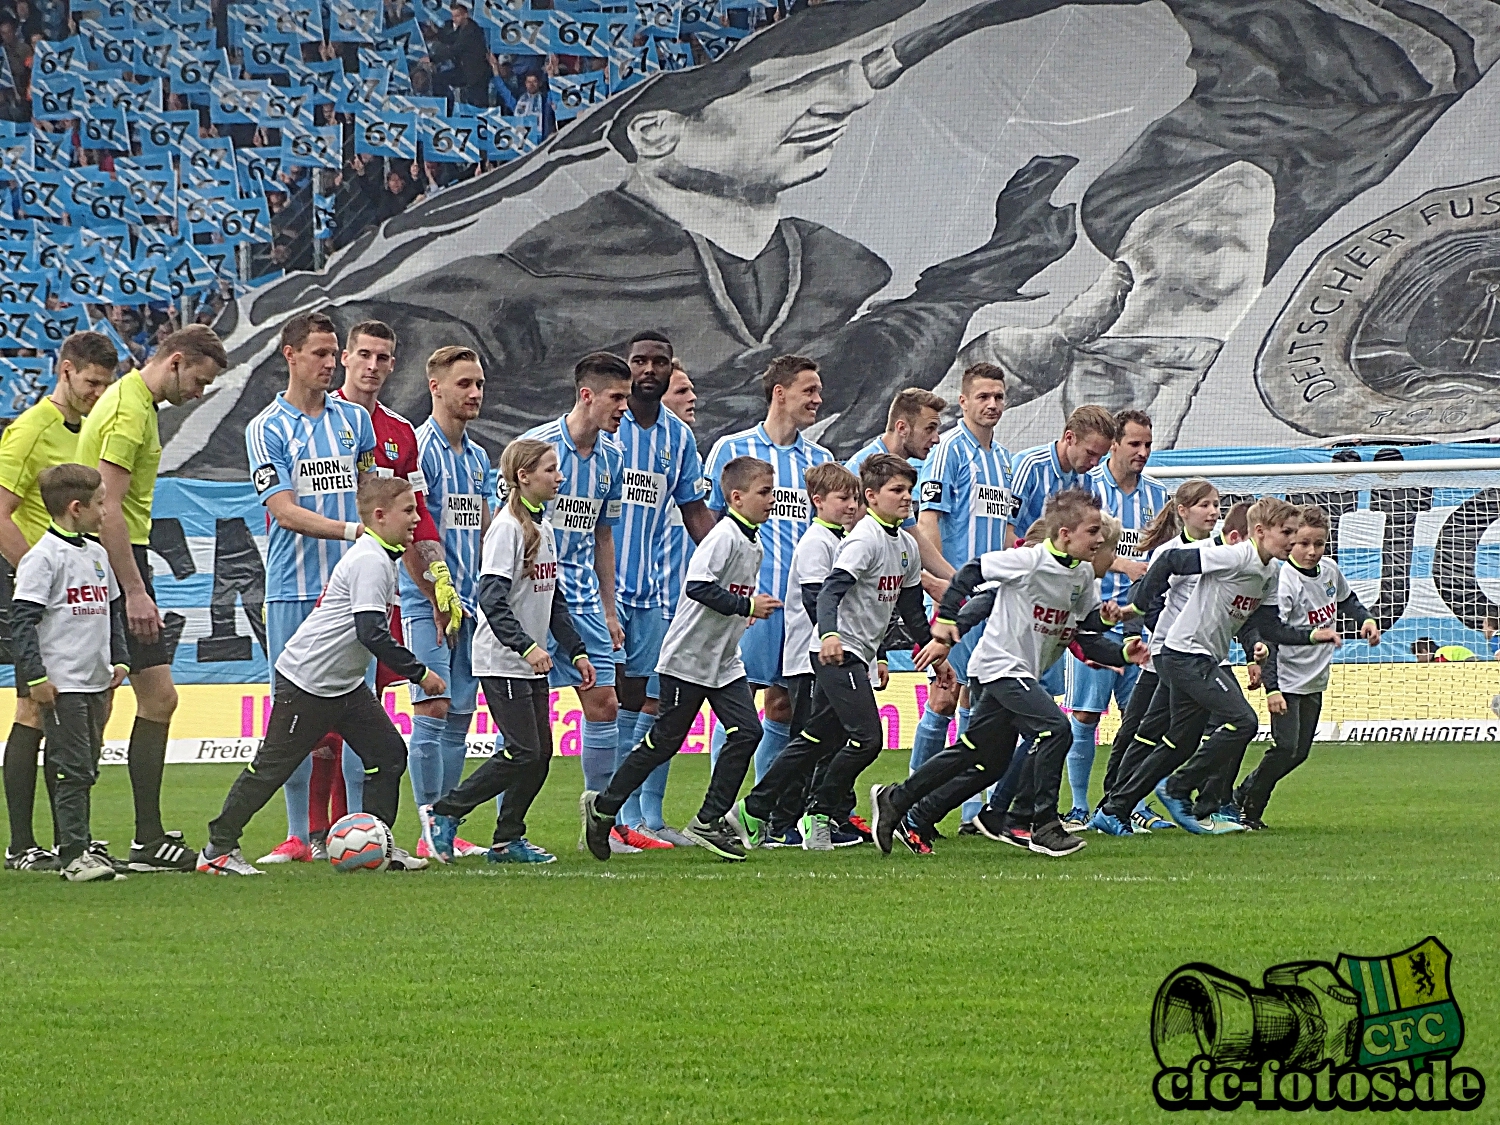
(1419, 542)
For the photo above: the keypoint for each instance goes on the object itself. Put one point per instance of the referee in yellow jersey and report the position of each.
(120, 438)
(45, 435)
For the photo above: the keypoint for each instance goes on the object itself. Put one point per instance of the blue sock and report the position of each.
(931, 738)
(424, 761)
(773, 740)
(598, 754)
(972, 806)
(455, 749)
(653, 790)
(625, 724)
(715, 744)
(1081, 762)
(298, 791)
(354, 780)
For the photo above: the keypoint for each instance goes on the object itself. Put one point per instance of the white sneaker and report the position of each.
(403, 860)
(230, 863)
(88, 867)
(424, 816)
(673, 837)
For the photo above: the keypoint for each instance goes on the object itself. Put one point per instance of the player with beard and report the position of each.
(663, 474)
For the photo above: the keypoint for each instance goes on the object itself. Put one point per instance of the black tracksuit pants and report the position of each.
(843, 731)
(74, 729)
(1153, 724)
(793, 802)
(522, 710)
(732, 704)
(1204, 695)
(1005, 708)
(298, 722)
(1292, 736)
(1130, 723)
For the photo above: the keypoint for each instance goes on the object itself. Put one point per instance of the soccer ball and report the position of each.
(359, 842)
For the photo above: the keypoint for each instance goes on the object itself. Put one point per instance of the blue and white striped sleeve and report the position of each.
(270, 464)
(364, 438)
(690, 470)
(1030, 492)
(937, 484)
(610, 513)
(718, 457)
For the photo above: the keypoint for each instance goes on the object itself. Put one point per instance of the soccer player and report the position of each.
(44, 435)
(454, 470)
(663, 472)
(1088, 437)
(1133, 499)
(966, 508)
(794, 392)
(584, 516)
(834, 492)
(320, 682)
(71, 652)
(1227, 601)
(368, 359)
(306, 450)
(911, 431)
(1311, 591)
(878, 569)
(519, 610)
(1044, 595)
(121, 439)
(700, 660)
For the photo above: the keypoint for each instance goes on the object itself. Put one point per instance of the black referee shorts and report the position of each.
(158, 652)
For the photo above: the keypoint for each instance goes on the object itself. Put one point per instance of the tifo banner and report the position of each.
(1274, 219)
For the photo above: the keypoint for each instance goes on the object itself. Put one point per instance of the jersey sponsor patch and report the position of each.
(319, 476)
(463, 511)
(576, 513)
(789, 504)
(932, 491)
(418, 481)
(264, 478)
(1130, 539)
(645, 489)
(991, 501)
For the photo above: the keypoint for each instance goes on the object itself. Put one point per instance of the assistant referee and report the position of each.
(121, 438)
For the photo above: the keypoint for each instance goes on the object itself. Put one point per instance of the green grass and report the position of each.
(980, 985)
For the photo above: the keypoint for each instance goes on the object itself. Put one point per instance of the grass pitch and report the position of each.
(980, 985)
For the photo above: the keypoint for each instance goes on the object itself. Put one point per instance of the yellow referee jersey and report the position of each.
(121, 429)
(37, 440)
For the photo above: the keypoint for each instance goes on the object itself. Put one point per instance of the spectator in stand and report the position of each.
(505, 86)
(398, 195)
(17, 53)
(463, 58)
(534, 102)
(30, 20)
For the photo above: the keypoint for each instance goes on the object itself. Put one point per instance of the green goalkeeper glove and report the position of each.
(446, 596)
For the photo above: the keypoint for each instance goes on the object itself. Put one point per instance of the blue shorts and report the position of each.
(454, 664)
(644, 632)
(760, 649)
(1054, 680)
(1090, 689)
(596, 642)
(959, 654)
(282, 620)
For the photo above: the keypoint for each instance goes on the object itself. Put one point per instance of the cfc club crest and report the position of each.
(1406, 1007)
(392, 450)
(98, 571)
(346, 438)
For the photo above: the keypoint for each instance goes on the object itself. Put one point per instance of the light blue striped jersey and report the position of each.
(791, 513)
(879, 446)
(589, 495)
(969, 486)
(457, 496)
(318, 460)
(1036, 474)
(679, 551)
(1135, 510)
(662, 470)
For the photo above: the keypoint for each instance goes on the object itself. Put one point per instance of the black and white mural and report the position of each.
(1262, 221)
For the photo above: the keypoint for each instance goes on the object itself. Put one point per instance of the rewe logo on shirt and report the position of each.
(1244, 605)
(544, 570)
(1322, 616)
(890, 587)
(741, 591)
(1048, 615)
(87, 600)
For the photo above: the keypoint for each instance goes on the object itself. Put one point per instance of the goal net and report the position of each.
(1419, 542)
